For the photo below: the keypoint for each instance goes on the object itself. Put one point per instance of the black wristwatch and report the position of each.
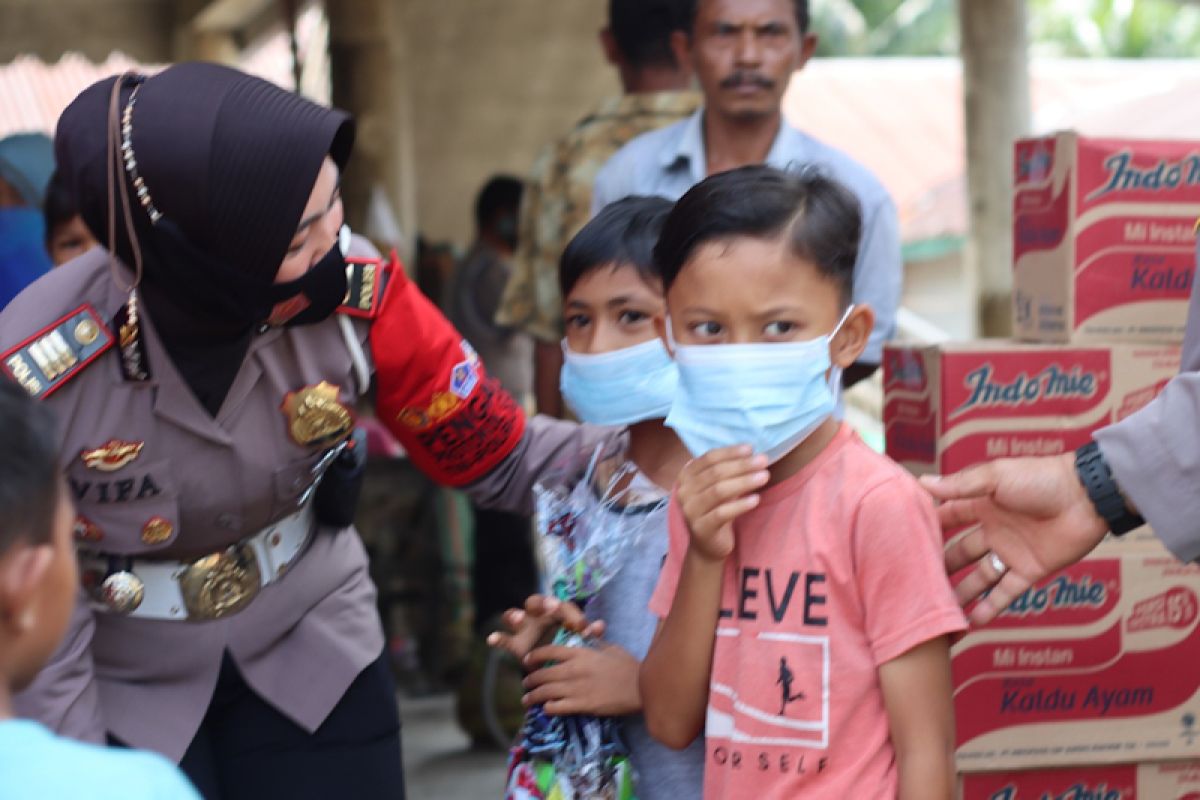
(1097, 479)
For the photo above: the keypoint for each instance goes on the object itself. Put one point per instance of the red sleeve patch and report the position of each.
(434, 394)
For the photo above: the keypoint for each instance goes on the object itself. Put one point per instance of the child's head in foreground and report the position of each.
(759, 255)
(616, 371)
(38, 575)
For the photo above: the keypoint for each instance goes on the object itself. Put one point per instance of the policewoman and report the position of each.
(204, 374)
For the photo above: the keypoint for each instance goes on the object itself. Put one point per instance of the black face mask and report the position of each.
(506, 229)
(315, 295)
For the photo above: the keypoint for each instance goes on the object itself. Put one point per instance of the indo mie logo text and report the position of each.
(1052, 383)
(1077, 791)
(1060, 594)
(1163, 176)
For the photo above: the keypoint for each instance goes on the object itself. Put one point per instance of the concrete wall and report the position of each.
(488, 81)
(48, 28)
(493, 80)
(938, 291)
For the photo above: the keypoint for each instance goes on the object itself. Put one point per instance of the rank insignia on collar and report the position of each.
(45, 362)
(112, 455)
(134, 364)
(316, 417)
(366, 278)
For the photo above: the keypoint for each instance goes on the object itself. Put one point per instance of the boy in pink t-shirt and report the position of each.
(805, 609)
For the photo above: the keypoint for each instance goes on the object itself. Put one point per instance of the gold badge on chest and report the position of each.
(112, 455)
(157, 530)
(316, 417)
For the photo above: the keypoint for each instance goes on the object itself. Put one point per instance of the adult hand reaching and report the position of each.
(1030, 513)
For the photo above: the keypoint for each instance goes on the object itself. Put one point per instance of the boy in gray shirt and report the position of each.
(617, 373)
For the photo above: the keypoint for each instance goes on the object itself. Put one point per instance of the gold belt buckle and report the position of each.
(221, 584)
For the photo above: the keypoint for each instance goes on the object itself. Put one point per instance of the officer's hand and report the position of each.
(1031, 512)
(528, 626)
(716, 489)
(601, 680)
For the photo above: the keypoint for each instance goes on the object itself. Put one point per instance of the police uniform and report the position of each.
(153, 476)
(157, 481)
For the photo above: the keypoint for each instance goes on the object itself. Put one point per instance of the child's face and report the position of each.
(68, 240)
(36, 618)
(611, 308)
(748, 291)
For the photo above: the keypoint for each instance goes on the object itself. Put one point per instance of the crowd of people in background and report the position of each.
(40, 225)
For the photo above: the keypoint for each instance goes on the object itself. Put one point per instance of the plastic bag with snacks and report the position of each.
(583, 539)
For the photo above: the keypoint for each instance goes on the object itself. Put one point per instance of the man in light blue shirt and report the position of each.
(743, 53)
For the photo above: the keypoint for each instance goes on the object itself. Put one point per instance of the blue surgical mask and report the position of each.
(620, 387)
(769, 396)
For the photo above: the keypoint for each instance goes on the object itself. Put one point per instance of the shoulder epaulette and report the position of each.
(366, 279)
(44, 362)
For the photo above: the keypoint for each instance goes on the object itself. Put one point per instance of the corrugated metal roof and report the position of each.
(33, 94)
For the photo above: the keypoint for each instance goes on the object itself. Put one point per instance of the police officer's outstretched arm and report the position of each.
(457, 424)
(1033, 513)
(1037, 516)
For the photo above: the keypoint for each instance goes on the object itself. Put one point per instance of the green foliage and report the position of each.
(1075, 28)
(1115, 28)
(886, 27)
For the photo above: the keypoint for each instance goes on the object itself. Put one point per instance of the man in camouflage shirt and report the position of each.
(558, 197)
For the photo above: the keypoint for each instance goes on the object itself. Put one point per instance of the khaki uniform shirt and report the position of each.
(558, 202)
(213, 482)
(1155, 454)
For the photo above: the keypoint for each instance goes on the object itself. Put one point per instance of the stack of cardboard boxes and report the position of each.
(1088, 686)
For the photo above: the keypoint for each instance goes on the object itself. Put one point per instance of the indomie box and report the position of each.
(1167, 780)
(952, 405)
(1103, 238)
(1095, 665)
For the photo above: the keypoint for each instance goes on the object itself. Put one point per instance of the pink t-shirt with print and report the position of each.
(837, 571)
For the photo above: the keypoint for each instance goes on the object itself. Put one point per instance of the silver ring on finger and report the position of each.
(997, 564)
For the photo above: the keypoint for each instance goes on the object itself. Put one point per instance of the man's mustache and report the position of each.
(747, 78)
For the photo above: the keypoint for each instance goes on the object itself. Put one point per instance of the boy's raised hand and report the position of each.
(714, 490)
(541, 614)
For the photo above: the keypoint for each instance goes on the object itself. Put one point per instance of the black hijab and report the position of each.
(229, 161)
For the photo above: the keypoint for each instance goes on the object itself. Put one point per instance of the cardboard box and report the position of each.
(1096, 665)
(949, 406)
(1169, 780)
(1103, 238)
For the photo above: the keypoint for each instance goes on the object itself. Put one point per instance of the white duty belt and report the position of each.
(206, 588)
